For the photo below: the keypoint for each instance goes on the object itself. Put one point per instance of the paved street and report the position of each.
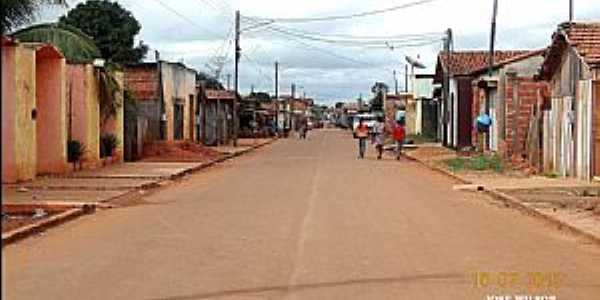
(301, 220)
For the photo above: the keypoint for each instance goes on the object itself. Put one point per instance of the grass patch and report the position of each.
(421, 138)
(477, 163)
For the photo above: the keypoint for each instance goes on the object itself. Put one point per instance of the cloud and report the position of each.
(333, 72)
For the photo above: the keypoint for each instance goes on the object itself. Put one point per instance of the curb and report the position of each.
(27, 231)
(511, 201)
(514, 202)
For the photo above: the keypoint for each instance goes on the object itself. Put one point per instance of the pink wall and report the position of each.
(50, 123)
(77, 99)
(8, 115)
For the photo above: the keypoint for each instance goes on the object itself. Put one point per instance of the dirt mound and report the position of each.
(178, 152)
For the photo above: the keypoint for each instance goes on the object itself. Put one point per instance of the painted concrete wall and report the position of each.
(179, 84)
(18, 102)
(9, 83)
(85, 111)
(51, 125)
(115, 124)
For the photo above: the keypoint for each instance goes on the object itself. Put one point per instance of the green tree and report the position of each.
(112, 27)
(379, 90)
(211, 82)
(16, 13)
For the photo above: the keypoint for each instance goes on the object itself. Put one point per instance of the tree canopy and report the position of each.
(210, 82)
(112, 27)
(74, 44)
(379, 89)
(16, 13)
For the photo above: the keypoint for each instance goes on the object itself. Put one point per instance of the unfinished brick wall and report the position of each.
(143, 83)
(519, 112)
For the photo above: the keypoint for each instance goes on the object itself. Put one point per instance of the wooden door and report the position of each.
(596, 126)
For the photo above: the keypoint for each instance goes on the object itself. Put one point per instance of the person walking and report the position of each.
(362, 133)
(399, 135)
(379, 138)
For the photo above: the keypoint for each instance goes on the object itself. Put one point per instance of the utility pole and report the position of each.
(406, 78)
(493, 38)
(396, 82)
(238, 52)
(571, 11)
(277, 95)
(445, 111)
(228, 82)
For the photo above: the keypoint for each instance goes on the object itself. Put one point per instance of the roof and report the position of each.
(219, 95)
(518, 58)
(467, 62)
(584, 38)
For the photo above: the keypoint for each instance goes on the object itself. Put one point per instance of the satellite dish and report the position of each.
(415, 63)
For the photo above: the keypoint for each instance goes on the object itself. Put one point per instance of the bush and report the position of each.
(108, 144)
(75, 151)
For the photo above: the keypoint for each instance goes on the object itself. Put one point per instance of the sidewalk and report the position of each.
(568, 203)
(73, 195)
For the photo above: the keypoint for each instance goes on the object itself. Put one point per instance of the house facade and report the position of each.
(512, 97)
(454, 74)
(572, 118)
(216, 117)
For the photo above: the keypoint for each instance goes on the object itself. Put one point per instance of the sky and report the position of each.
(200, 33)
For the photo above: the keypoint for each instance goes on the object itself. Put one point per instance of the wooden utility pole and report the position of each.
(406, 78)
(228, 81)
(493, 39)
(396, 82)
(446, 118)
(277, 95)
(238, 52)
(571, 11)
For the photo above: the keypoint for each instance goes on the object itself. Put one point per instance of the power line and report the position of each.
(185, 18)
(258, 25)
(345, 17)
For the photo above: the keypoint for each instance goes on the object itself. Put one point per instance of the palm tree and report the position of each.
(16, 13)
(75, 45)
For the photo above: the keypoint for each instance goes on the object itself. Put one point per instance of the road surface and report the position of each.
(303, 220)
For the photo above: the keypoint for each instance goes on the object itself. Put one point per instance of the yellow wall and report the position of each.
(25, 146)
(178, 83)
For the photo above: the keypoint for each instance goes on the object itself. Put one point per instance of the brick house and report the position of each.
(511, 96)
(572, 120)
(454, 74)
(165, 94)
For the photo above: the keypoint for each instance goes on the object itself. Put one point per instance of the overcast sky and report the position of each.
(197, 31)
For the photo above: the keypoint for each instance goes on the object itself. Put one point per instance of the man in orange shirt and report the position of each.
(362, 133)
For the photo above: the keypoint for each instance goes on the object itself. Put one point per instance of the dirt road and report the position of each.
(304, 220)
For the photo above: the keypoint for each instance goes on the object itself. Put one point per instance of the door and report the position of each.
(596, 126)
(191, 119)
(178, 121)
(493, 136)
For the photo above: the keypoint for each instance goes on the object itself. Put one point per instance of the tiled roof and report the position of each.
(585, 38)
(466, 62)
(219, 95)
